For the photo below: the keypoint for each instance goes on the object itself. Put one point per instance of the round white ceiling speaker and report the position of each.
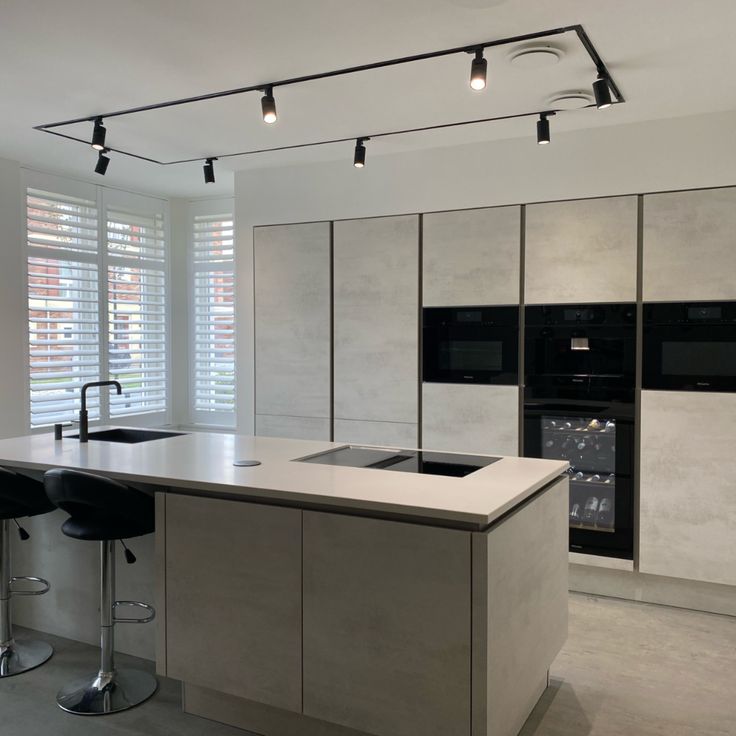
(570, 100)
(535, 56)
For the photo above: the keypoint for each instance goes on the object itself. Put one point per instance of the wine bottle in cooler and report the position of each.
(575, 514)
(590, 512)
(605, 512)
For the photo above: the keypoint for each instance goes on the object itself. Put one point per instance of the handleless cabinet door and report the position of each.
(688, 485)
(690, 245)
(376, 296)
(233, 598)
(292, 320)
(471, 257)
(581, 251)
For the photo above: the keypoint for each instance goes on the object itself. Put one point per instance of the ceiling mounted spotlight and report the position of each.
(602, 92)
(209, 171)
(102, 162)
(268, 106)
(543, 128)
(98, 135)
(359, 156)
(478, 69)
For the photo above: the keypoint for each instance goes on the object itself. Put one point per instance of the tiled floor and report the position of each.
(628, 669)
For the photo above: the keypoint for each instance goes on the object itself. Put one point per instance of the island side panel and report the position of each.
(233, 598)
(520, 602)
(387, 627)
(159, 566)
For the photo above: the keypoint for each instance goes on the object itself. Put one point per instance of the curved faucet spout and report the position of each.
(83, 422)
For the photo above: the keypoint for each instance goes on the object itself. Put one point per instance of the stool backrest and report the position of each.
(21, 496)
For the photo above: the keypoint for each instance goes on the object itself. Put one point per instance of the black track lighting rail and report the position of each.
(268, 87)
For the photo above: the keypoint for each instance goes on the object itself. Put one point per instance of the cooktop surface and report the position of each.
(405, 461)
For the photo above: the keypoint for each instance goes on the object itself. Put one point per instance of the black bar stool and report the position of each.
(19, 496)
(103, 510)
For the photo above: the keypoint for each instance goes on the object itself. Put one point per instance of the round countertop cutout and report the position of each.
(246, 463)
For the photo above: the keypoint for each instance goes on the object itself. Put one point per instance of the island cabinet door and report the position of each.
(233, 598)
(387, 626)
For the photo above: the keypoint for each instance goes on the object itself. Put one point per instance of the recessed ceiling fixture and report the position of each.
(478, 71)
(573, 100)
(532, 49)
(98, 135)
(268, 106)
(209, 171)
(359, 155)
(102, 162)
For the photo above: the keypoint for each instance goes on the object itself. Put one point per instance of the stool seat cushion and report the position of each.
(99, 508)
(22, 496)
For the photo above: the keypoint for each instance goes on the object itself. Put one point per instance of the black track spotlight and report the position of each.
(602, 92)
(102, 162)
(209, 171)
(268, 106)
(98, 135)
(359, 156)
(543, 129)
(478, 70)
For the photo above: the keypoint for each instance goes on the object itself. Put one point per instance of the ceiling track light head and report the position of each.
(209, 171)
(98, 135)
(359, 155)
(602, 91)
(268, 105)
(102, 162)
(478, 71)
(543, 136)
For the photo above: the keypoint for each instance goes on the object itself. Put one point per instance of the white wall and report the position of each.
(680, 153)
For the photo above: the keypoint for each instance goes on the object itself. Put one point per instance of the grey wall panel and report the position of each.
(581, 251)
(471, 257)
(690, 245)
(292, 315)
(376, 295)
(299, 428)
(393, 434)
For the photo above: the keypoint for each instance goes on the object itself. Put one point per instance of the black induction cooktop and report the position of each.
(405, 461)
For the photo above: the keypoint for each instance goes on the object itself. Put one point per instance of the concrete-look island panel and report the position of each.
(298, 599)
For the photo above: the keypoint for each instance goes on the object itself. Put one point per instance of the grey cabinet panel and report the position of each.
(470, 418)
(690, 245)
(298, 428)
(581, 251)
(688, 485)
(233, 598)
(386, 626)
(292, 319)
(471, 257)
(376, 303)
(393, 434)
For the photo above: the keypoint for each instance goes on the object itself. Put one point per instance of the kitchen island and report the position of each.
(304, 598)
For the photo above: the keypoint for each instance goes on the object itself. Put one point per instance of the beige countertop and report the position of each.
(202, 462)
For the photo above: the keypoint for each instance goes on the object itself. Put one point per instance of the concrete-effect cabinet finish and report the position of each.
(303, 428)
(581, 251)
(688, 487)
(396, 434)
(386, 626)
(233, 598)
(690, 245)
(376, 312)
(470, 418)
(292, 319)
(471, 257)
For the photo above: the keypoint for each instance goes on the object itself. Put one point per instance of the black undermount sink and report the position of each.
(128, 436)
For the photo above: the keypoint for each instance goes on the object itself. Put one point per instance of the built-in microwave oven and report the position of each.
(470, 345)
(689, 346)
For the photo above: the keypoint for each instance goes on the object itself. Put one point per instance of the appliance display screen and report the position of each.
(698, 358)
(471, 355)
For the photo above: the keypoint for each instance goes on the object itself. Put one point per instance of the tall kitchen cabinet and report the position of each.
(292, 330)
(688, 492)
(581, 251)
(471, 258)
(376, 330)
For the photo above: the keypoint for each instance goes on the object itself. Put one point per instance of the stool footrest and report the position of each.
(30, 579)
(133, 620)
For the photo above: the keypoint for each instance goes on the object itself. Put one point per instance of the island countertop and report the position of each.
(202, 463)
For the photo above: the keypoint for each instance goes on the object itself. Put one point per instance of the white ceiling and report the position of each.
(68, 59)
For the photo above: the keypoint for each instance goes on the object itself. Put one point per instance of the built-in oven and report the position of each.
(689, 346)
(470, 345)
(579, 388)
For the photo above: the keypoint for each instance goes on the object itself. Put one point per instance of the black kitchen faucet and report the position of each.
(83, 422)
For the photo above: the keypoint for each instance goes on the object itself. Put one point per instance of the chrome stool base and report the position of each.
(22, 656)
(105, 692)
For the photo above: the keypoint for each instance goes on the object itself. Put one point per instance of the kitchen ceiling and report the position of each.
(64, 60)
